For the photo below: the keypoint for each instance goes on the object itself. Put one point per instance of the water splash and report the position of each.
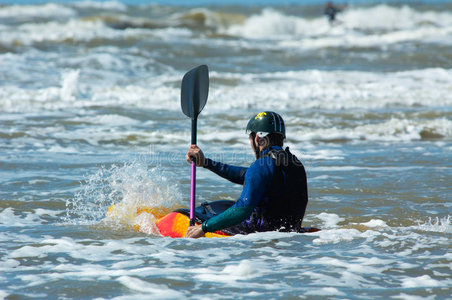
(131, 195)
(69, 85)
(437, 225)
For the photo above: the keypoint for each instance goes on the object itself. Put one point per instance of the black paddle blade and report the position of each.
(194, 91)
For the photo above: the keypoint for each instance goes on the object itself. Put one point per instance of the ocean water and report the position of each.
(90, 117)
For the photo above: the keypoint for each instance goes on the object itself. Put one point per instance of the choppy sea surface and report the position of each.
(90, 117)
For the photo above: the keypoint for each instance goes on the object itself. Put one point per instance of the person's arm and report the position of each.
(234, 174)
(257, 180)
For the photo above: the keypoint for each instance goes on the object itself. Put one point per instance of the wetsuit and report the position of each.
(331, 12)
(274, 195)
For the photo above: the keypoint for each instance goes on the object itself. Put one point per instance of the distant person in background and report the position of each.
(331, 11)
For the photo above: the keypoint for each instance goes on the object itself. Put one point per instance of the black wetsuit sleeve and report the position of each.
(234, 174)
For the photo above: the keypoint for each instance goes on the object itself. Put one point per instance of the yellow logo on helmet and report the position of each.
(260, 115)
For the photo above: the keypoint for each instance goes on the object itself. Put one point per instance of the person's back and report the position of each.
(286, 198)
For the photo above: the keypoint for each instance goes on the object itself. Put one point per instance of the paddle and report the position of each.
(194, 92)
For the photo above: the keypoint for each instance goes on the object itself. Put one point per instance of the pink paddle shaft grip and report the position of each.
(192, 191)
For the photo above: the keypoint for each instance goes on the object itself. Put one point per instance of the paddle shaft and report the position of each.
(192, 192)
(194, 129)
(193, 173)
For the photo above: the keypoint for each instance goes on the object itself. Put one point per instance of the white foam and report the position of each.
(17, 237)
(321, 154)
(10, 219)
(73, 29)
(329, 220)
(437, 224)
(245, 269)
(33, 280)
(273, 24)
(334, 236)
(9, 264)
(263, 236)
(325, 291)
(69, 89)
(346, 90)
(104, 5)
(47, 10)
(410, 297)
(383, 25)
(127, 264)
(403, 129)
(389, 17)
(420, 282)
(3, 294)
(359, 265)
(234, 273)
(432, 35)
(375, 223)
(59, 149)
(109, 119)
(155, 291)
(159, 97)
(357, 268)
(78, 250)
(27, 251)
(361, 91)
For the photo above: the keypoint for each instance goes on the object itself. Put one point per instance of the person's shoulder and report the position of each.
(263, 167)
(263, 163)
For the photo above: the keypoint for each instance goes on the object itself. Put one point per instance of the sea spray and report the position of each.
(437, 224)
(69, 89)
(128, 195)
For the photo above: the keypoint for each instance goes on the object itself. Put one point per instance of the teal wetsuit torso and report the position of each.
(274, 195)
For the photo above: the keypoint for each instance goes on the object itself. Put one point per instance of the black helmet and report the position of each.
(265, 123)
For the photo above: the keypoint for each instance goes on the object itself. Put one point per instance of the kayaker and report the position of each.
(275, 193)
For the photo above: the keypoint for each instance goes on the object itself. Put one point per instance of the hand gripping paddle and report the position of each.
(194, 92)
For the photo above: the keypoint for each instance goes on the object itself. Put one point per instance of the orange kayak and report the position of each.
(174, 224)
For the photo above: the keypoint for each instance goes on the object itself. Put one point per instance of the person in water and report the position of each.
(275, 192)
(331, 11)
